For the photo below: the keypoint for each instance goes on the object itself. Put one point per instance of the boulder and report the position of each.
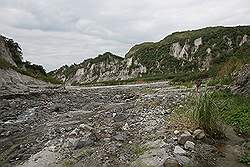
(199, 134)
(189, 145)
(83, 142)
(183, 160)
(176, 132)
(171, 163)
(185, 137)
(179, 151)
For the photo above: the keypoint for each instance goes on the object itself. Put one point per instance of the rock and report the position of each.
(176, 132)
(155, 144)
(106, 139)
(120, 137)
(152, 157)
(74, 133)
(171, 163)
(199, 134)
(189, 145)
(185, 137)
(183, 160)
(86, 127)
(52, 148)
(125, 127)
(83, 142)
(175, 138)
(179, 150)
(44, 96)
(120, 117)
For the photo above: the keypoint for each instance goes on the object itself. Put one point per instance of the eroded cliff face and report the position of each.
(12, 82)
(12, 70)
(177, 53)
(5, 51)
(105, 67)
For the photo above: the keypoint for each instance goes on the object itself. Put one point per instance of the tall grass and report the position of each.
(206, 113)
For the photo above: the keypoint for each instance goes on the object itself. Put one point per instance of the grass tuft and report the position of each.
(206, 113)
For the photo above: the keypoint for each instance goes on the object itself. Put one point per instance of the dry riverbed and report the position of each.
(99, 126)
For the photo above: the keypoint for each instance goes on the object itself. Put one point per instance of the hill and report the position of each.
(182, 56)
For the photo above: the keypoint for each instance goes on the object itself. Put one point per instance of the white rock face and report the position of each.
(129, 61)
(175, 50)
(197, 43)
(180, 52)
(209, 50)
(184, 52)
(106, 71)
(244, 39)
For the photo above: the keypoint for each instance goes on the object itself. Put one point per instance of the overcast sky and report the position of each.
(57, 32)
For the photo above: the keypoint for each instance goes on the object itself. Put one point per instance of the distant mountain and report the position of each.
(206, 51)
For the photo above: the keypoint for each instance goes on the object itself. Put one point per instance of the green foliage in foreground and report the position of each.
(234, 109)
(245, 159)
(212, 109)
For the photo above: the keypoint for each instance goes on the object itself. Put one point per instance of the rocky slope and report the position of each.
(12, 82)
(5, 51)
(115, 126)
(102, 68)
(17, 76)
(180, 52)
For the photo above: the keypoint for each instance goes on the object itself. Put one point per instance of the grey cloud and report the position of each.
(57, 32)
